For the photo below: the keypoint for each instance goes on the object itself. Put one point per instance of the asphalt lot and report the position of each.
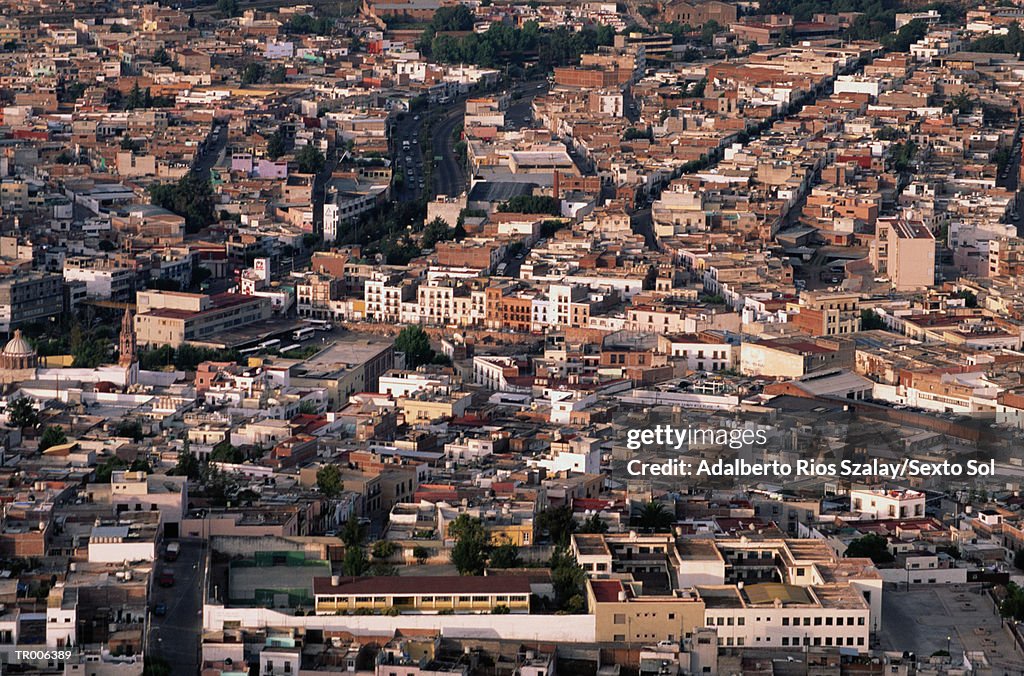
(175, 636)
(920, 621)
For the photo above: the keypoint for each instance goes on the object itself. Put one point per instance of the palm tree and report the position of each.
(654, 517)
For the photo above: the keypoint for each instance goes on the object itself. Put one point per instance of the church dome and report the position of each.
(18, 347)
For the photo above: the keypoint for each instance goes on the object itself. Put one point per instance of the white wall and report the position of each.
(566, 628)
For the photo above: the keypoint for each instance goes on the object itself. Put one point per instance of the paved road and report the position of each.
(175, 636)
(407, 130)
(211, 150)
(449, 173)
(320, 183)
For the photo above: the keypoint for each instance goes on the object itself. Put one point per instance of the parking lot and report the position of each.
(921, 620)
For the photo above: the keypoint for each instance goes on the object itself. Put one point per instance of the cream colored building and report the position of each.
(175, 318)
(903, 252)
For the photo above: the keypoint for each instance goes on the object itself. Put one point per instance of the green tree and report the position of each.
(907, 35)
(136, 98)
(52, 436)
(328, 480)
(532, 204)
(105, 469)
(353, 534)
(472, 545)
(278, 74)
(871, 546)
(962, 102)
(21, 414)
(129, 428)
(709, 30)
(224, 451)
(228, 8)
(871, 320)
(252, 73)
(413, 341)
(156, 666)
(276, 145)
(90, 353)
(567, 580)
(903, 154)
(505, 555)
(436, 231)
(187, 466)
(654, 517)
(309, 159)
(1013, 605)
(355, 562)
(191, 197)
(594, 524)
(421, 554)
(558, 523)
(383, 549)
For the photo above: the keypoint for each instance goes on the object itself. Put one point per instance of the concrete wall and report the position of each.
(563, 628)
(901, 576)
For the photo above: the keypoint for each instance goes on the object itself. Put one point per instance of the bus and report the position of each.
(303, 333)
(267, 344)
(289, 348)
(320, 324)
(249, 350)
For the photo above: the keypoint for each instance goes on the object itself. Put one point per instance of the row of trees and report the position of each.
(502, 45)
(532, 204)
(474, 551)
(190, 197)
(184, 357)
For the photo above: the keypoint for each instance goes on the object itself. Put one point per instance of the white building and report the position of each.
(892, 504)
(115, 544)
(579, 454)
(493, 372)
(774, 615)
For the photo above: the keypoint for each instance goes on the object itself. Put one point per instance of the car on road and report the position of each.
(416, 118)
(166, 578)
(160, 609)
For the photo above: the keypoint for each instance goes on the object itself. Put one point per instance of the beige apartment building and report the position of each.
(174, 318)
(623, 616)
(904, 252)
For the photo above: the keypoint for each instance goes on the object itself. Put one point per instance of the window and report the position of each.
(619, 618)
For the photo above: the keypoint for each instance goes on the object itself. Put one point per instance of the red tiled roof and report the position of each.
(606, 591)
